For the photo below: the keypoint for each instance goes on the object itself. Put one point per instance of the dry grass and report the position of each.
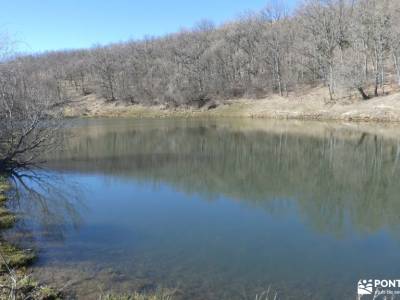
(313, 104)
(168, 295)
(267, 295)
(159, 295)
(18, 285)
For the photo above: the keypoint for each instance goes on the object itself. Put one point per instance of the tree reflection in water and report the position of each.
(305, 178)
(44, 202)
(335, 175)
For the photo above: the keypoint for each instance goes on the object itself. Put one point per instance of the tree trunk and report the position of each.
(376, 69)
(330, 92)
(376, 84)
(278, 74)
(331, 82)
(396, 64)
(363, 94)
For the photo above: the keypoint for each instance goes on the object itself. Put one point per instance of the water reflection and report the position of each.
(223, 209)
(335, 178)
(45, 197)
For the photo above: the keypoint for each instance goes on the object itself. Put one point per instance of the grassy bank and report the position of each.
(313, 104)
(15, 282)
(13, 257)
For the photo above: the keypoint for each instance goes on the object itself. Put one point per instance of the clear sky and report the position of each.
(41, 25)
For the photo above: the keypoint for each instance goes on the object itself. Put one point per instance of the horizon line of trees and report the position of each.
(342, 44)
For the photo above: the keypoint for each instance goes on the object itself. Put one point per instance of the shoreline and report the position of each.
(309, 106)
(15, 280)
(365, 116)
(16, 263)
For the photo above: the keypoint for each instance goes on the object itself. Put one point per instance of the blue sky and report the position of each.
(40, 25)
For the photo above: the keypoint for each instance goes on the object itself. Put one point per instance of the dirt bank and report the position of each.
(310, 105)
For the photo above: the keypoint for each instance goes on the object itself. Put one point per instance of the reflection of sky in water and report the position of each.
(301, 232)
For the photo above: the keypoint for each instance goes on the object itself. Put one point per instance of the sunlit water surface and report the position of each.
(217, 209)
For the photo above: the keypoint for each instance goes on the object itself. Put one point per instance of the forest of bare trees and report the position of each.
(347, 45)
(28, 114)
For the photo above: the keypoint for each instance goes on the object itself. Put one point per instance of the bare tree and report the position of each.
(343, 44)
(394, 36)
(105, 64)
(28, 119)
(323, 22)
(278, 40)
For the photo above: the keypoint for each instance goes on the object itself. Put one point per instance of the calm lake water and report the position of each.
(218, 209)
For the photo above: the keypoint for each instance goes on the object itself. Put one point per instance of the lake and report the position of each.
(217, 209)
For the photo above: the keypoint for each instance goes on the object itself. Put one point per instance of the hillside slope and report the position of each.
(311, 105)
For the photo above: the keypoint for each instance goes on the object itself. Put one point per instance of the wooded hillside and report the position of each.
(342, 44)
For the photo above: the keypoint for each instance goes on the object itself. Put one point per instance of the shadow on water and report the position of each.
(46, 206)
(223, 209)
